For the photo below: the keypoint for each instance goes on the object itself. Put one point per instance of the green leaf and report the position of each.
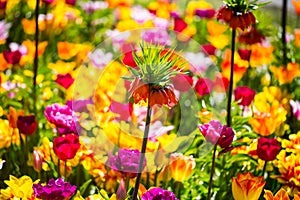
(84, 186)
(242, 157)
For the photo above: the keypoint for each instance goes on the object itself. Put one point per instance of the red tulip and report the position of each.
(48, 1)
(182, 82)
(203, 86)
(12, 57)
(65, 80)
(71, 2)
(27, 124)
(268, 148)
(179, 24)
(244, 54)
(244, 95)
(129, 60)
(66, 146)
(209, 49)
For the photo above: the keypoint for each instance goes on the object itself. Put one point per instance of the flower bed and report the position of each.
(119, 99)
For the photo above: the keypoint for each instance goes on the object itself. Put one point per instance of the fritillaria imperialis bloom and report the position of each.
(158, 193)
(54, 190)
(60, 115)
(244, 95)
(181, 166)
(151, 82)
(247, 187)
(236, 20)
(217, 134)
(126, 162)
(66, 146)
(268, 148)
(27, 124)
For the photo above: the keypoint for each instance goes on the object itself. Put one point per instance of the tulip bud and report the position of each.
(121, 192)
(37, 161)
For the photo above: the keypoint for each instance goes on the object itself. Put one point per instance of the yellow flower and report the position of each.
(162, 9)
(61, 67)
(18, 188)
(280, 195)
(181, 166)
(216, 28)
(116, 3)
(266, 123)
(187, 33)
(270, 109)
(30, 45)
(67, 50)
(29, 25)
(261, 54)
(247, 187)
(286, 74)
(288, 167)
(194, 5)
(8, 134)
(218, 41)
(292, 144)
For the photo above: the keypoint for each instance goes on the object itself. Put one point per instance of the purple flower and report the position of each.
(296, 108)
(54, 190)
(157, 36)
(99, 59)
(126, 161)
(208, 13)
(217, 134)
(4, 28)
(60, 115)
(79, 105)
(91, 6)
(158, 193)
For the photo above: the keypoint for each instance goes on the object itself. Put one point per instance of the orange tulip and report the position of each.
(181, 166)
(296, 4)
(247, 187)
(297, 37)
(286, 74)
(280, 195)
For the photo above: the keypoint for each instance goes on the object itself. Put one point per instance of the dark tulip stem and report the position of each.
(36, 62)
(231, 78)
(283, 36)
(144, 146)
(264, 168)
(212, 170)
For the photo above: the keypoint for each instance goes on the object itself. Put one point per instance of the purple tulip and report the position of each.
(126, 162)
(60, 115)
(158, 193)
(217, 134)
(54, 190)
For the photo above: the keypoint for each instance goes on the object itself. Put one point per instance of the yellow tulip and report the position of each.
(181, 166)
(247, 187)
(280, 195)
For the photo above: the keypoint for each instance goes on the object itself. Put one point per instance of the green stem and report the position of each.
(144, 146)
(283, 26)
(58, 167)
(36, 62)
(65, 175)
(231, 78)
(212, 170)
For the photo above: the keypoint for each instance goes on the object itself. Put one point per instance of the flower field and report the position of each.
(150, 100)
